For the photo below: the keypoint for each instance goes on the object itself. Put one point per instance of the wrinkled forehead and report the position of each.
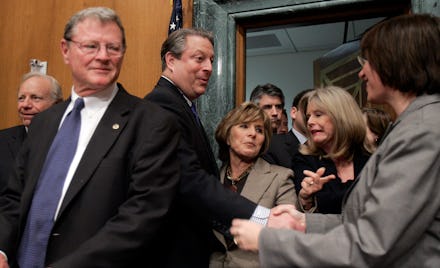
(35, 84)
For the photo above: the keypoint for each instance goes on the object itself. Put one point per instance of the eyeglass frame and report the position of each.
(83, 48)
(361, 60)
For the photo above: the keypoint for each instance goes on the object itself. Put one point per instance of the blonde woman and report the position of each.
(335, 150)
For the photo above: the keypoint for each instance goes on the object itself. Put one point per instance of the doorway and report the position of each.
(295, 58)
(230, 20)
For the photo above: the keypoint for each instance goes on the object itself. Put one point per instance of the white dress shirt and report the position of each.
(94, 108)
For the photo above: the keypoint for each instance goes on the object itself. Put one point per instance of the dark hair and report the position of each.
(175, 43)
(245, 113)
(404, 51)
(267, 89)
(298, 96)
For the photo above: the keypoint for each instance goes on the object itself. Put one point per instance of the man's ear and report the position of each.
(170, 60)
(65, 50)
(293, 112)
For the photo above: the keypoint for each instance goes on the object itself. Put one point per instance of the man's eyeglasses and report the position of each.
(361, 60)
(93, 47)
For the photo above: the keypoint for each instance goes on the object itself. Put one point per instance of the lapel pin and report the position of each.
(115, 126)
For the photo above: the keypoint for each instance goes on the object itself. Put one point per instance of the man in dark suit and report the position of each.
(283, 147)
(203, 203)
(36, 93)
(123, 175)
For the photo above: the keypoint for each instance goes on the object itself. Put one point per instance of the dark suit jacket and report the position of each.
(329, 199)
(10, 142)
(282, 149)
(202, 199)
(119, 194)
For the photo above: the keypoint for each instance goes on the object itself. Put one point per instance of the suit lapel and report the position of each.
(42, 136)
(181, 101)
(203, 141)
(258, 181)
(39, 139)
(108, 130)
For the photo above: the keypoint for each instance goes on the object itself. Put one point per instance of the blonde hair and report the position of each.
(346, 116)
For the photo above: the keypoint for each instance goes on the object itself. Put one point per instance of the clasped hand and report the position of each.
(246, 233)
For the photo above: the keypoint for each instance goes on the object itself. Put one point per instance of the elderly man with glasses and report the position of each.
(98, 173)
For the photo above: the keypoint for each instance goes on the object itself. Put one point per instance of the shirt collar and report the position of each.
(302, 139)
(188, 101)
(98, 100)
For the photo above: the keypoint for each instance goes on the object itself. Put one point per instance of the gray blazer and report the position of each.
(267, 185)
(391, 218)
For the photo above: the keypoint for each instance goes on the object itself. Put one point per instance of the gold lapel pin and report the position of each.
(115, 126)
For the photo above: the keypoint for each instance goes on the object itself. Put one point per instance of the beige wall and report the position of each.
(33, 29)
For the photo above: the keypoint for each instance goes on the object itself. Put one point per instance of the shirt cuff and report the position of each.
(260, 215)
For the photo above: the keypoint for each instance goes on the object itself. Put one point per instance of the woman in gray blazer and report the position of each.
(391, 217)
(243, 136)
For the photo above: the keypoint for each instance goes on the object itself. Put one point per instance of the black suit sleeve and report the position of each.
(204, 191)
(198, 187)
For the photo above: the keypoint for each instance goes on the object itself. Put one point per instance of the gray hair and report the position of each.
(103, 14)
(55, 88)
(267, 89)
(175, 43)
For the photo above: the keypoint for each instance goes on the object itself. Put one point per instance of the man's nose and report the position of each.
(25, 103)
(102, 52)
(207, 65)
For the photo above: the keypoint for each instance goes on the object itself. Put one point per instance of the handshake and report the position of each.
(246, 233)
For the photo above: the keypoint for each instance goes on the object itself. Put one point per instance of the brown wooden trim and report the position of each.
(329, 14)
(240, 65)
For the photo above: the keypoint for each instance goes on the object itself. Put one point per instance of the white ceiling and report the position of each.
(298, 39)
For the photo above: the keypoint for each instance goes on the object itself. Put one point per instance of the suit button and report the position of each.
(56, 234)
